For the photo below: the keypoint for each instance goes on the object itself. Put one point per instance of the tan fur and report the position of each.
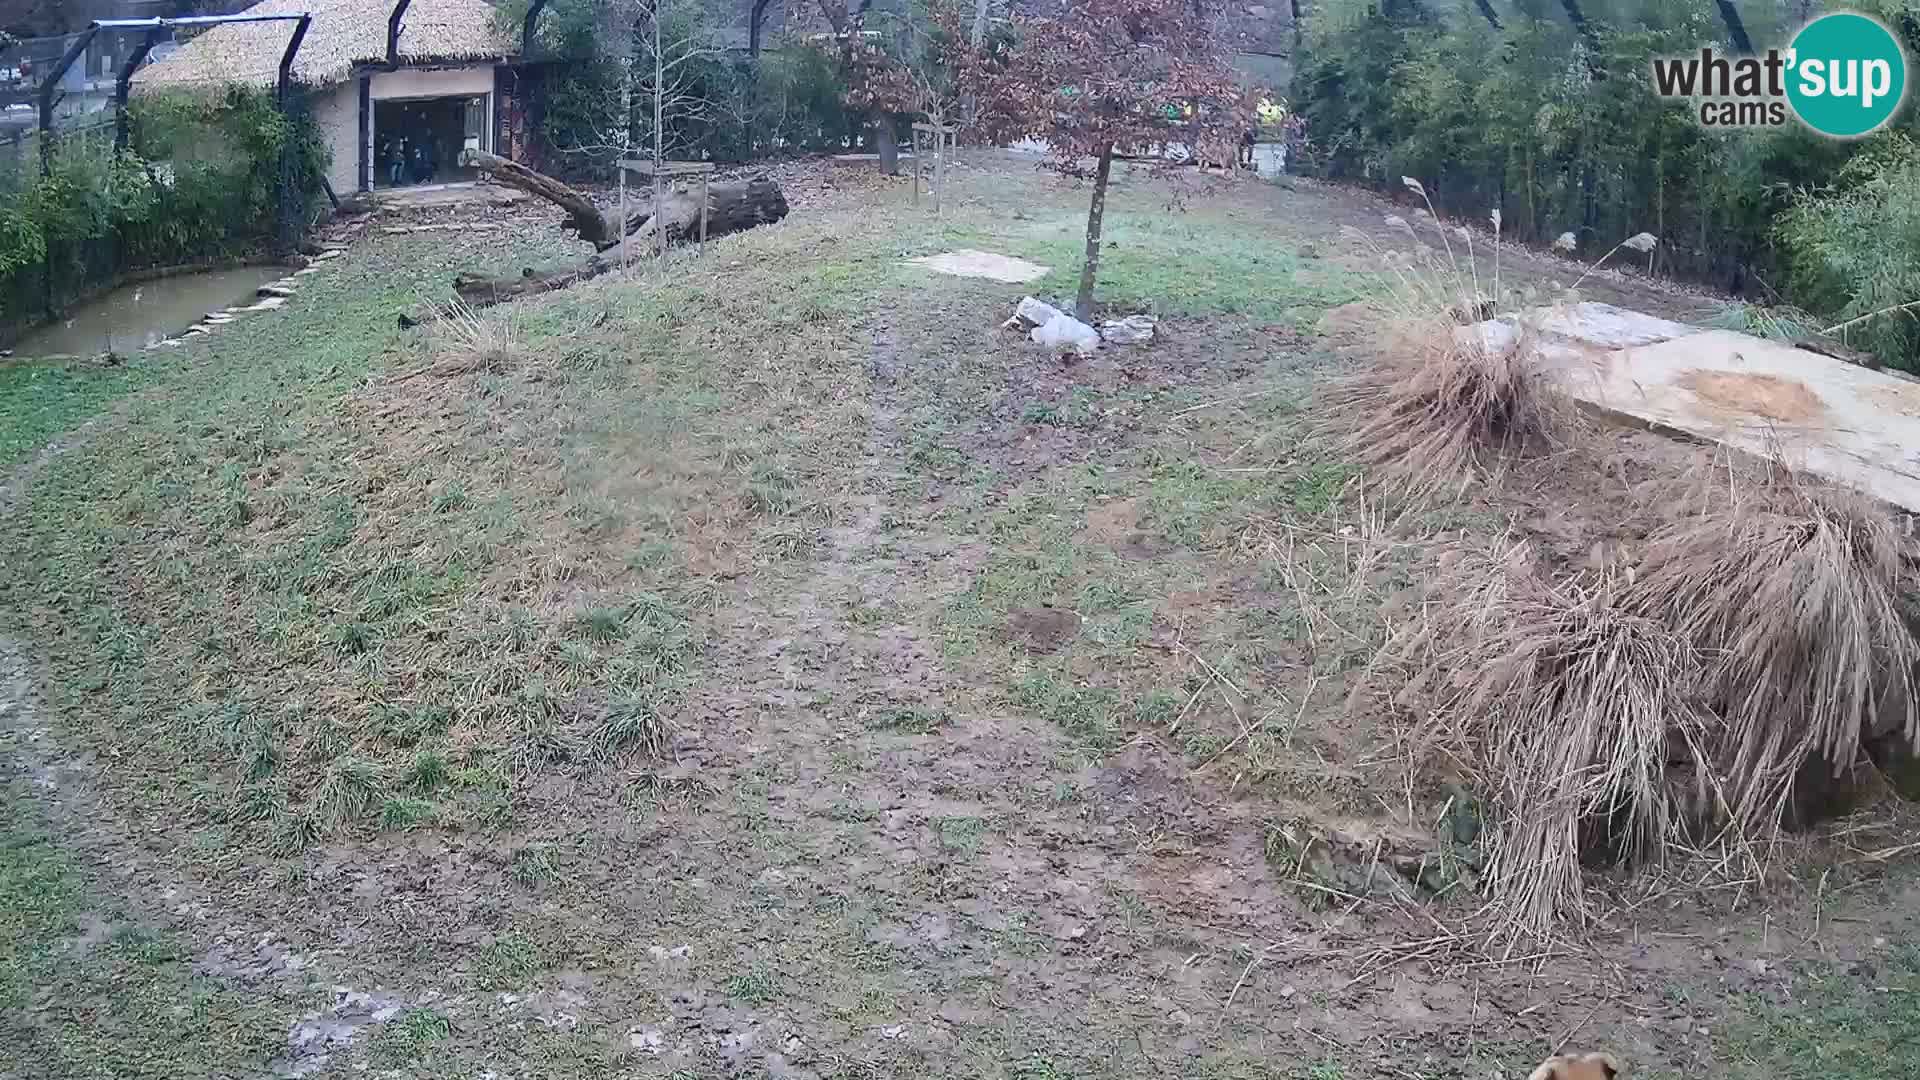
(1216, 154)
(1583, 1067)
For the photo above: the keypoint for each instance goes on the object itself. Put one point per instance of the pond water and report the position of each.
(133, 317)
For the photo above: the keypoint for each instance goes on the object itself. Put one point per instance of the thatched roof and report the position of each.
(344, 33)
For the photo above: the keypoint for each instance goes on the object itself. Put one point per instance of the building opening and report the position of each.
(419, 140)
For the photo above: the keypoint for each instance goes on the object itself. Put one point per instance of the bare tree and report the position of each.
(658, 97)
(1143, 72)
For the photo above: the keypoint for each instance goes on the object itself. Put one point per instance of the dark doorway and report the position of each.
(419, 140)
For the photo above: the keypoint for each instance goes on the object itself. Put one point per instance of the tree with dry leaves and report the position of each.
(897, 63)
(1107, 77)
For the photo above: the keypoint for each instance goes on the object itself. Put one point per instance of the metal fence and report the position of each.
(20, 148)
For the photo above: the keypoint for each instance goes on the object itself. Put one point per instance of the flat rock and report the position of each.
(1576, 331)
(279, 290)
(1132, 330)
(1833, 419)
(982, 264)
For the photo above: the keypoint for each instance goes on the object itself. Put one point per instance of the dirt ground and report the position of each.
(783, 670)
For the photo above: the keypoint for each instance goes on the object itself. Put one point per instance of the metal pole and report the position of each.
(283, 95)
(705, 180)
(47, 86)
(52, 82)
(939, 170)
(916, 165)
(527, 27)
(124, 87)
(286, 61)
(393, 32)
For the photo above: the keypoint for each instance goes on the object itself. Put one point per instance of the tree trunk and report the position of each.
(755, 20)
(582, 216)
(1486, 9)
(1083, 304)
(1736, 29)
(732, 206)
(887, 142)
(980, 9)
(659, 127)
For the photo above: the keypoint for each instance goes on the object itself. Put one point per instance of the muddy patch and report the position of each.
(1041, 631)
(1117, 525)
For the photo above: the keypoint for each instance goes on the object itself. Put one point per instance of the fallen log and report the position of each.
(731, 206)
(582, 216)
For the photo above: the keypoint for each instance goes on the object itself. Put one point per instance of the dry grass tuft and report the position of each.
(467, 342)
(1434, 412)
(1566, 709)
(1791, 591)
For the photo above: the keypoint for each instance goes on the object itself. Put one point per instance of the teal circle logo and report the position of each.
(1846, 75)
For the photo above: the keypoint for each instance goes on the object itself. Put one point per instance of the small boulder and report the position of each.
(1066, 332)
(1035, 312)
(1132, 330)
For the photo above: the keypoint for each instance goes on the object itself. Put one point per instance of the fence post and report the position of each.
(123, 88)
(283, 99)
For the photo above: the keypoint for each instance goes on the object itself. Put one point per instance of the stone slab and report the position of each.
(982, 264)
(1833, 419)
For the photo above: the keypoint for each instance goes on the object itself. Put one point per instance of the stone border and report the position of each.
(269, 297)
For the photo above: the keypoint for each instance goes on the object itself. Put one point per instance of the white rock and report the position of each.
(1036, 312)
(1066, 332)
(1131, 330)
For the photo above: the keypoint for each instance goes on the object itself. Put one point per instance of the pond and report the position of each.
(133, 317)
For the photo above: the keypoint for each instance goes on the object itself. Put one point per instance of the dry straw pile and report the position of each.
(1566, 710)
(1761, 640)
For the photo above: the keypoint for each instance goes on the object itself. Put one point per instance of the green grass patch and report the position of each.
(755, 987)
(40, 400)
(1206, 261)
(409, 1038)
(1837, 1027)
(908, 720)
(81, 997)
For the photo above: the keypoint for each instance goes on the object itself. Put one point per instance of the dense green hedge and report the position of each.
(1562, 132)
(201, 179)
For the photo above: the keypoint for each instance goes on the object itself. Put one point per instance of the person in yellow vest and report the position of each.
(1268, 115)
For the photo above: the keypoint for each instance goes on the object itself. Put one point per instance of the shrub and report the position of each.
(1853, 249)
(201, 179)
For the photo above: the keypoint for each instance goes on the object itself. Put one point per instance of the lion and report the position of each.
(1583, 1067)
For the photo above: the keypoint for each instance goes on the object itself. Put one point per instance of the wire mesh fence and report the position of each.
(200, 178)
